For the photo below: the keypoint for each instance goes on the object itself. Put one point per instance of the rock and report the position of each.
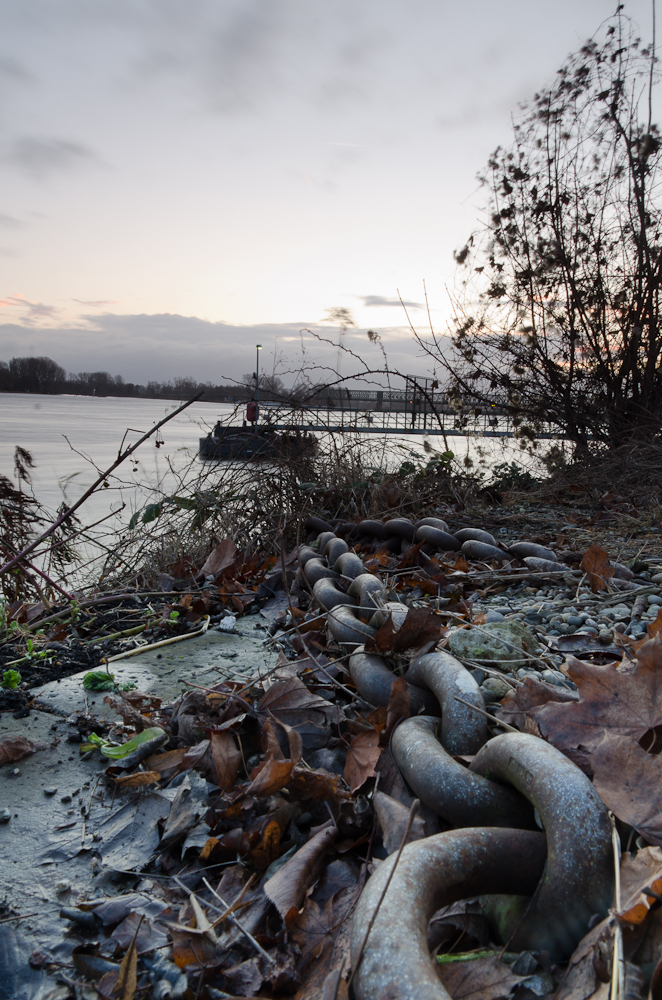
(654, 599)
(50, 791)
(5, 815)
(494, 616)
(497, 687)
(575, 620)
(533, 550)
(496, 642)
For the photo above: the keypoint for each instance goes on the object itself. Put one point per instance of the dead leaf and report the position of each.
(654, 629)
(314, 928)
(222, 557)
(270, 743)
(127, 977)
(622, 699)
(643, 871)
(268, 849)
(362, 755)
(335, 987)
(478, 979)
(148, 936)
(399, 707)
(291, 702)
(226, 758)
(14, 747)
(531, 694)
(597, 567)
(629, 782)
(286, 889)
(138, 779)
(306, 785)
(393, 818)
(419, 627)
(272, 776)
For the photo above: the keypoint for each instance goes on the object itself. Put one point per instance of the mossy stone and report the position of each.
(495, 642)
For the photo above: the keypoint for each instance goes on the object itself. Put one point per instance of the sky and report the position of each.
(180, 181)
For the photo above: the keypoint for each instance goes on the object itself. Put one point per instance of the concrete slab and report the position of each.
(205, 660)
(49, 843)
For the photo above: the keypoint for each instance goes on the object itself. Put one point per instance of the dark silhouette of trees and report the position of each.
(36, 375)
(558, 316)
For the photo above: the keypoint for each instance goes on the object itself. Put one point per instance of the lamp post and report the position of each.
(258, 348)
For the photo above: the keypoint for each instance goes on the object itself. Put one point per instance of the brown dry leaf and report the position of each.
(654, 629)
(335, 988)
(479, 979)
(138, 779)
(597, 567)
(226, 758)
(531, 694)
(222, 557)
(629, 782)
(383, 641)
(272, 776)
(270, 743)
(287, 888)
(306, 784)
(625, 700)
(14, 747)
(127, 977)
(190, 949)
(314, 928)
(399, 707)
(643, 871)
(168, 763)
(362, 755)
(291, 702)
(419, 627)
(268, 849)
(393, 818)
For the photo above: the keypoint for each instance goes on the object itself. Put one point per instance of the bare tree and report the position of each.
(558, 315)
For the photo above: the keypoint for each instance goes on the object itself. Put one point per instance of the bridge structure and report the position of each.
(421, 408)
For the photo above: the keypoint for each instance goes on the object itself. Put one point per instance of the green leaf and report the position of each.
(151, 512)
(10, 680)
(115, 752)
(99, 680)
(184, 502)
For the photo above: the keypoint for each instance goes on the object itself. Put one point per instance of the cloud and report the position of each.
(9, 222)
(39, 157)
(381, 300)
(96, 303)
(164, 346)
(33, 310)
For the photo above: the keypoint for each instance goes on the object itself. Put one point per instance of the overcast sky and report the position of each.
(181, 179)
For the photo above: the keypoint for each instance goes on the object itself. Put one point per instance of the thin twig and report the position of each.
(231, 917)
(412, 814)
(493, 718)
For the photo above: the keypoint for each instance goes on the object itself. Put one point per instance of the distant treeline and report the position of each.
(45, 375)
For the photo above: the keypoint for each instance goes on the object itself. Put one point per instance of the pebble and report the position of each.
(5, 815)
(65, 799)
(575, 620)
(497, 687)
(654, 599)
(494, 616)
(656, 578)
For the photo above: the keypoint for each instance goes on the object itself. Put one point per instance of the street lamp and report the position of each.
(258, 348)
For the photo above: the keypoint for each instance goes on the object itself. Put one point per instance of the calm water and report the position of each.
(51, 427)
